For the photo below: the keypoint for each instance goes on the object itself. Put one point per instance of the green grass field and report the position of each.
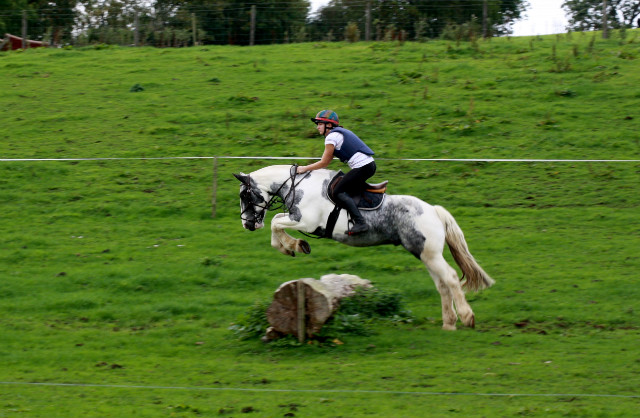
(117, 287)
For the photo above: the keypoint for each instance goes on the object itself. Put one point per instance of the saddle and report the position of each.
(370, 198)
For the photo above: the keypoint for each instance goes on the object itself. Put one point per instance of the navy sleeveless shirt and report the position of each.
(351, 145)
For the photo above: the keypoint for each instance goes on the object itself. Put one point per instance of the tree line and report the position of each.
(244, 22)
(602, 14)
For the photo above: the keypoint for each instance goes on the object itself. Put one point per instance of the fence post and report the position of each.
(367, 22)
(25, 44)
(193, 29)
(301, 311)
(485, 15)
(605, 31)
(136, 29)
(214, 194)
(252, 33)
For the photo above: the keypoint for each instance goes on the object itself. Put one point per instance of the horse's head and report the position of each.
(252, 203)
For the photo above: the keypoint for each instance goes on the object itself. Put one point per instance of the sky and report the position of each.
(543, 17)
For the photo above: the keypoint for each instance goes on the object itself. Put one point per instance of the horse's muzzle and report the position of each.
(252, 226)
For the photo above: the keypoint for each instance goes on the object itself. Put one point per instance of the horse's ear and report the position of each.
(244, 179)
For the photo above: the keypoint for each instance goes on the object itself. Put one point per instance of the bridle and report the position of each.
(250, 198)
(276, 201)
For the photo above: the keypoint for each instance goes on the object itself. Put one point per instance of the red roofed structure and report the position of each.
(12, 42)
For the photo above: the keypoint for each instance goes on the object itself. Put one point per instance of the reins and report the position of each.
(293, 172)
(277, 202)
(292, 175)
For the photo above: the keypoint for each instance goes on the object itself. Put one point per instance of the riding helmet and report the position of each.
(326, 116)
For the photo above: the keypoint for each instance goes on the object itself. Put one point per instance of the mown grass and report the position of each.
(114, 272)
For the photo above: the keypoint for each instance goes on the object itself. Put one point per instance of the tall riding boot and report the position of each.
(359, 225)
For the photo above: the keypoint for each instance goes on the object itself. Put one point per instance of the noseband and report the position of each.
(276, 202)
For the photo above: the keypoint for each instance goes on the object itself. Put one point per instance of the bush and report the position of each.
(252, 324)
(465, 32)
(352, 33)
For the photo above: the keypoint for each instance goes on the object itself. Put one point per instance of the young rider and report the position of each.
(350, 149)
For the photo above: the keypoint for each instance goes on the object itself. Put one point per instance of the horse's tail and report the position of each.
(476, 277)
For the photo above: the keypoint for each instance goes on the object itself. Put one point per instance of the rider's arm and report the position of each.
(327, 156)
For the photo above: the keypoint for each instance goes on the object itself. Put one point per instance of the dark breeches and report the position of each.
(355, 179)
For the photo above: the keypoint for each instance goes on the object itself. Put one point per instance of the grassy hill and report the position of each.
(117, 286)
(546, 97)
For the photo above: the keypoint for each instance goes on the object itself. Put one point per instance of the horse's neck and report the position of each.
(278, 180)
(270, 178)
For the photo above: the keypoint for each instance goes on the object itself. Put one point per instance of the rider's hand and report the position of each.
(300, 170)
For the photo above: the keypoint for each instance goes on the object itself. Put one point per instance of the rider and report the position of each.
(345, 145)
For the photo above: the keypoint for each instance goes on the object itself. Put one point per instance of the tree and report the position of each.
(45, 18)
(228, 22)
(58, 17)
(11, 15)
(106, 21)
(587, 14)
(395, 17)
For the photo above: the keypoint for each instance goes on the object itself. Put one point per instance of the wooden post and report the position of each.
(136, 29)
(214, 195)
(25, 44)
(485, 16)
(367, 22)
(193, 29)
(302, 331)
(252, 32)
(605, 29)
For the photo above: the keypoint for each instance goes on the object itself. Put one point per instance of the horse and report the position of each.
(421, 228)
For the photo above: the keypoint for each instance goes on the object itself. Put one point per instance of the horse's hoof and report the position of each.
(473, 321)
(449, 327)
(304, 246)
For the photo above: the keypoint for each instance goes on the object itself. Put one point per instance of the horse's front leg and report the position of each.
(284, 242)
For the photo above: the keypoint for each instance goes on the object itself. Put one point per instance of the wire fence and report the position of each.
(321, 391)
(214, 198)
(246, 24)
(267, 22)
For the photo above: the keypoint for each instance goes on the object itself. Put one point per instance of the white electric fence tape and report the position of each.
(226, 157)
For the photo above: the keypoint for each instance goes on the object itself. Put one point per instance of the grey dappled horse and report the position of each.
(422, 229)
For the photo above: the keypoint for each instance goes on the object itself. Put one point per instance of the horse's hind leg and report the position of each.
(448, 284)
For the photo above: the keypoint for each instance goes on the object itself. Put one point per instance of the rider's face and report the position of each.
(322, 128)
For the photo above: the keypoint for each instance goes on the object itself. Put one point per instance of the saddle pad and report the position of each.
(369, 200)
